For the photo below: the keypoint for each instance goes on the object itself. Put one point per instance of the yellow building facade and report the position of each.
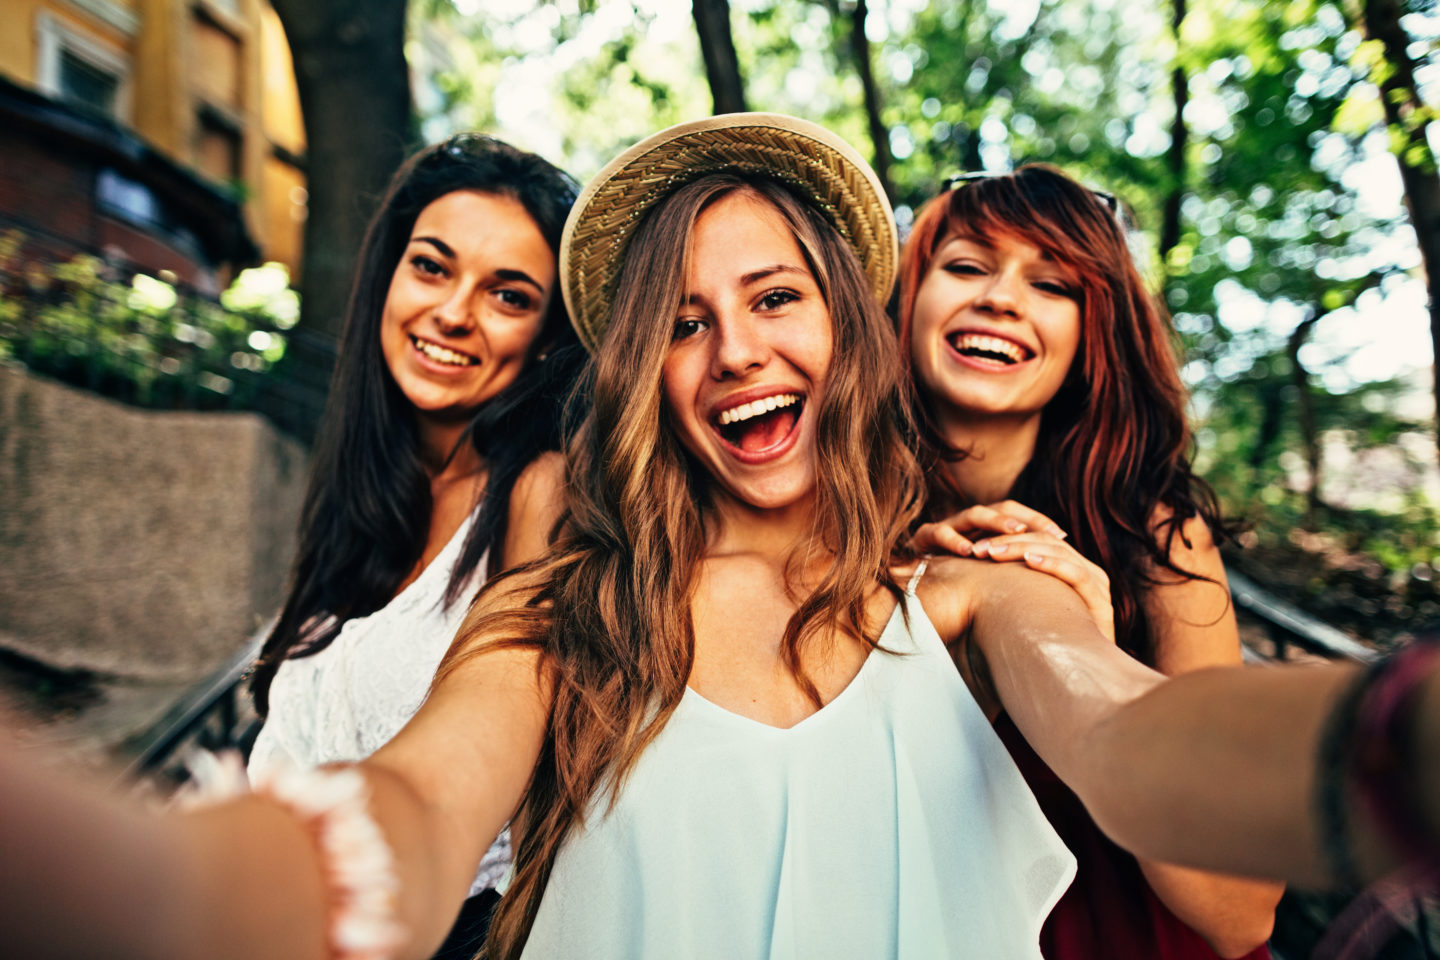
(206, 83)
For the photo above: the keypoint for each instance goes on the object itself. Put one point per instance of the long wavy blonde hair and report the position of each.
(609, 605)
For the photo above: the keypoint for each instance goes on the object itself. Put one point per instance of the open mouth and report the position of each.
(443, 355)
(988, 349)
(762, 424)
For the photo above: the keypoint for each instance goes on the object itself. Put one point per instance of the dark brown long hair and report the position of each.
(1113, 454)
(610, 605)
(367, 509)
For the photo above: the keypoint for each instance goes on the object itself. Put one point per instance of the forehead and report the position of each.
(472, 221)
(741, 232)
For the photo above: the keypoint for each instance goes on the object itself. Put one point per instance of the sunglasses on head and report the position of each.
(956, 181)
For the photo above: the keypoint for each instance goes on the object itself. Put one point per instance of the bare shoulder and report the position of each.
(1191, 545)
(1192, 621)
(541, 484)
(535, 505)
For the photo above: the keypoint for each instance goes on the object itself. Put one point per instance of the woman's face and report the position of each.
(466, 302)
(995, 329)
(750, 351)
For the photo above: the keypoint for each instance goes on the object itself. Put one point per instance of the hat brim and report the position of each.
(803, 155)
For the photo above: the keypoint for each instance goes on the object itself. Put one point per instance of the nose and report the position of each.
(740, 347)
(455, 316)
(1002, 294)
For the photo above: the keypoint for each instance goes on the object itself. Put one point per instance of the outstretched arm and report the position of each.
(1193, 626)
(244, 879)
(1158, 762)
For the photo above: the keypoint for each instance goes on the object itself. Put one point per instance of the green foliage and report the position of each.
(142, 340)
(1278, 254)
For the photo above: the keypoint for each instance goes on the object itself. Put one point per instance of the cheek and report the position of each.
(677, 395)
(513, 340)
(1066, 335)
(924, 342)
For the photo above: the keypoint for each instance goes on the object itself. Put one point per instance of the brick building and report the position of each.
(165, 133)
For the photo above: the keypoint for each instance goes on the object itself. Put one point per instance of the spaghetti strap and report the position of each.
(915, 577)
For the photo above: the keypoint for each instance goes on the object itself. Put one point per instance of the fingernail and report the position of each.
(1057, 532)
(1014, 526)
(966, 550)
(999, 548)
(982, 548)
(1032, 557)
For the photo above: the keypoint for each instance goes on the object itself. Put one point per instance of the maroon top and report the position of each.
(1110, 910)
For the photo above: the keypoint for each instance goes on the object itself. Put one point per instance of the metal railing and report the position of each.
(213, 715)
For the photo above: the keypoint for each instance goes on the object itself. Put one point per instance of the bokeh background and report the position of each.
(184, 184)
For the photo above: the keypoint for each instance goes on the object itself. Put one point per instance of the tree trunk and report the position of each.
(354, 88)
(1179, 139)
(879, 136)
(717, 46)
(1404, 112)
(1305, 413)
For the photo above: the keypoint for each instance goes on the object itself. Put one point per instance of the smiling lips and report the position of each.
(987, 349)
(760, 428)
(441, 354)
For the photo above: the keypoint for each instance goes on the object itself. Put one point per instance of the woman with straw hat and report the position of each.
(730, 716)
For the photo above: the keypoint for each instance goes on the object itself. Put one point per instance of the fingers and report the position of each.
(1061, 561)
(1012, 546)
(1033, 520)
(941, 538)
(1007, 516)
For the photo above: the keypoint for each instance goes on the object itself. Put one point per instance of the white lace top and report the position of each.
(350, 699)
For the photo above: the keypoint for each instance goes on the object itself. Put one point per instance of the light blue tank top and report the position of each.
(891, 823)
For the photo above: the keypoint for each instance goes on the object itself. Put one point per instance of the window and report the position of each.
(218, 146)
(80, 69)
(86, 85)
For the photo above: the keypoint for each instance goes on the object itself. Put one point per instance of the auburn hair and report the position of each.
(1112, 461)
(609, 605)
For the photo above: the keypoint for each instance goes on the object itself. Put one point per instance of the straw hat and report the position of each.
(800, 154)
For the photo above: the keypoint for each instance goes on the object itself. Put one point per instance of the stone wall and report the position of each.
(138, 544)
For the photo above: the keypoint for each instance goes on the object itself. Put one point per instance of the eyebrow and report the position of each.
(504, 273)
(754, 276)
(982, 241)
(519, 276)
(437, 243)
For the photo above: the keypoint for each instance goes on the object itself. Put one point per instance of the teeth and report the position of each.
(764, 405)
(441, 354)
(977, 341)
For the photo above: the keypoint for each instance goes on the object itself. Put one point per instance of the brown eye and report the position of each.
(775, 299)
(686, 327)
(427, 266)
(515, 299)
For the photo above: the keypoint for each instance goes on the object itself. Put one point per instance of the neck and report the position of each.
(446, 458)
(738, 527)
(997, 450)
